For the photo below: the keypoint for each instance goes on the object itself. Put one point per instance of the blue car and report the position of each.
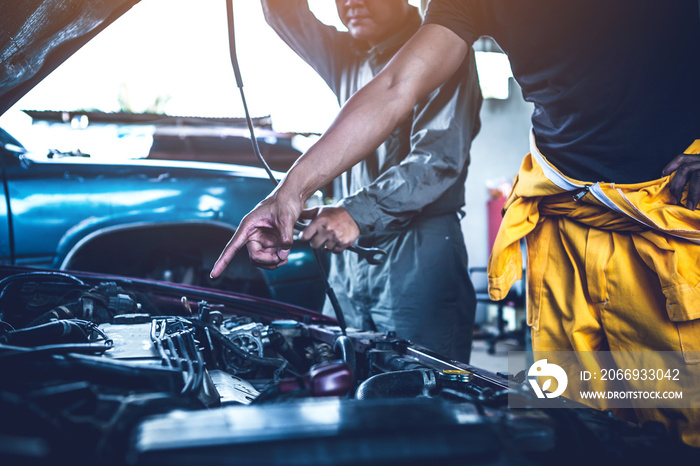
(165, 220)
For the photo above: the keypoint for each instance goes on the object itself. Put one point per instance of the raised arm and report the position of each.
(424, 63)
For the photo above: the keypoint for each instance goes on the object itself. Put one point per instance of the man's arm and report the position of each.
(424, 63)
(429, 179)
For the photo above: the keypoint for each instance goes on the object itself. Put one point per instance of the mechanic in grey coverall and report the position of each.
(407, 197)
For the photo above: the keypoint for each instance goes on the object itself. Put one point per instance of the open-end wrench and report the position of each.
(373, 256)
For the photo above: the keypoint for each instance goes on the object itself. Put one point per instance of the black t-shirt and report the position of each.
(615, 83)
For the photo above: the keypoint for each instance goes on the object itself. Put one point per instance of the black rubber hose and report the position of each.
(345, 349)
(60, 331)
(16, 352)
(66, 311)
(401, 384)
(37, 276)
(34, 276)
(279, 343)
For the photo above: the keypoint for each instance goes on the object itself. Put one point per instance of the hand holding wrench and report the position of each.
(373, 256)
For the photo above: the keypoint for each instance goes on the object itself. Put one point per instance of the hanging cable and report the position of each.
(256, 149)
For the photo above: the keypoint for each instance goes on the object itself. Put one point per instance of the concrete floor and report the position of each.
(497, 362)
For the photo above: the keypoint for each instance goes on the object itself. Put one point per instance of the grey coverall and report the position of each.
(406, 197)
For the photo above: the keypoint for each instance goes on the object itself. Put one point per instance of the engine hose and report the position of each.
(280, 345)
(401, 384)
(37, 276)
(34, 276)
(51, 332)
(58, 313)
(344, 347)
(9, 352)
(40, 276)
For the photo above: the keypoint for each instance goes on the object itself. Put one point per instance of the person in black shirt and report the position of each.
(614, 83)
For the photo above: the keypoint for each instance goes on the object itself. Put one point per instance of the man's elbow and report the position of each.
(401, 97)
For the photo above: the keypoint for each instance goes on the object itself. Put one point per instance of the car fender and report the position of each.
(301, 266)
(90, 229)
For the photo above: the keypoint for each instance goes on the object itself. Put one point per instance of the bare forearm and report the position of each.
(359, 129)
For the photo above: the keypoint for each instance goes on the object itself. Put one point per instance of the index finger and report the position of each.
(237, 241)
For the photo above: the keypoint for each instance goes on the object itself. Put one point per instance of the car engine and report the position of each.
(116, 371)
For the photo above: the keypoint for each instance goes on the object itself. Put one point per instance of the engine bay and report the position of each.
(118, 371)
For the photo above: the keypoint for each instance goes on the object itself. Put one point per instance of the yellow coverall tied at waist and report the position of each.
(609, 268)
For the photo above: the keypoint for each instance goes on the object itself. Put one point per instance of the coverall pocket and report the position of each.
(676, 264)
(683, 307)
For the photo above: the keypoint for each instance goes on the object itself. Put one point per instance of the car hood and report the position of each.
(36, 36)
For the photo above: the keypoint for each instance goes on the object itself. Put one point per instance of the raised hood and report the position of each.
(36, 36)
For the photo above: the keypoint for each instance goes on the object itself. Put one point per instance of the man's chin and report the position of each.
(362, 29)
